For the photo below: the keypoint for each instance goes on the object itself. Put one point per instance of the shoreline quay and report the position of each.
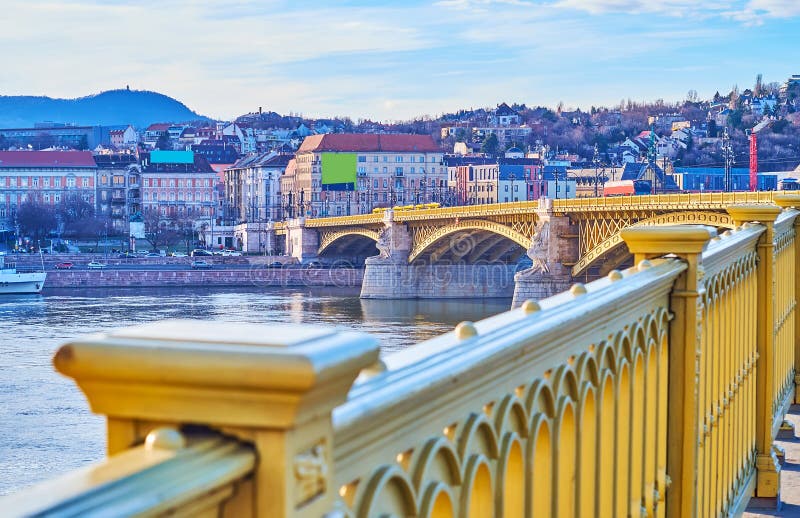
(253, 276)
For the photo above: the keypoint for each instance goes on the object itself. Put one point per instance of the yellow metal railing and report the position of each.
(785, 311)
(514, 417)
(726, 377)
(656, 391)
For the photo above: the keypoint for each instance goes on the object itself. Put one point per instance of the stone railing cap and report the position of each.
(671, 239)
(787, 200)
(754, 212)
(184, 367)
(219, 353)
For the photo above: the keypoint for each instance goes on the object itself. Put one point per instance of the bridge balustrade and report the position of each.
(655, 391)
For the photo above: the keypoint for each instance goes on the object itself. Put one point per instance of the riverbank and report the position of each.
(252, 276)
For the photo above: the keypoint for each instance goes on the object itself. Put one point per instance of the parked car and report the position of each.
(313, 264)
(231, 253)
(197, 252)
(276, 264)
(178, 254)
(153, 254)
(64, 266)
(127, 255)
(94, 265)
(200, 264)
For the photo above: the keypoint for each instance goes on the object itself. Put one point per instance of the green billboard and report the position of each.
(339, 171)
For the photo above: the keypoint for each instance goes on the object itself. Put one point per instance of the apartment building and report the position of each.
(344, 173)
(178, 184)
(50, 176)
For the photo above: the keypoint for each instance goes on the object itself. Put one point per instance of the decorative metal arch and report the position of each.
(716, 219)
(423, 240)
(328, 237)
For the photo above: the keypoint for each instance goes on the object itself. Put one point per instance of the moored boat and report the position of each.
(12, 281)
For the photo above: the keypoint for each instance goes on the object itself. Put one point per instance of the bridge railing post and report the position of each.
(272, 387)
(687, 242)
(792, 201)
(767, 466)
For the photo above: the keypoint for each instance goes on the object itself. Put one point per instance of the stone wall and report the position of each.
(385, 279)
(538, 286)
(250, 277)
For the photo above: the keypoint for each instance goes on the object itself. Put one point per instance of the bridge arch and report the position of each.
(337, 237)
(614, 242)
(424, 241)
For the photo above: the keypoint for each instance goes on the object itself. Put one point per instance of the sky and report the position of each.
(391, 61)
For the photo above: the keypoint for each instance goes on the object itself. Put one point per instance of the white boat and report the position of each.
(13, 282)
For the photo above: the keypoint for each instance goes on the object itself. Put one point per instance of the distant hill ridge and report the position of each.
(111, 108)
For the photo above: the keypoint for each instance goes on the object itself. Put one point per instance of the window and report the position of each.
(516, 188)
(422, 160)
(362, 159)
(172, 182)
(506, 188)
(36, 182)
(412, 170)
(70, 181)
(56, 198)
(398, 171)
(385, 184)
(375, 170)
(398, 158)
(85, 182)
(103, 180)
(375, 158)
(385, 158)
(24, 182)
(45, 181)
(375, 183)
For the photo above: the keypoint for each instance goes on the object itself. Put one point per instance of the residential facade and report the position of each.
(343, 173)
(117, 188)
(50, 176)
(177, 184)
(253, 187)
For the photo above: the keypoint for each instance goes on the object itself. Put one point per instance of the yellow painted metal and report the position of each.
(651, 392)
(768, 468)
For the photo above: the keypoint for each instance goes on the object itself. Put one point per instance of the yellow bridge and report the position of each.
(594, 223)
(656, 390)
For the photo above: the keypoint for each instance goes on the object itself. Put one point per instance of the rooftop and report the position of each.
(398, 143)
(12, 159)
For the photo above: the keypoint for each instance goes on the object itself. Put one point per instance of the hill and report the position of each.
(111, 108)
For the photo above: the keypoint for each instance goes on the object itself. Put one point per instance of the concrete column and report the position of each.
(553, 250)
(301, 242)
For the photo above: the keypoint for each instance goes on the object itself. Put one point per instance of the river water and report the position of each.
(45, 425)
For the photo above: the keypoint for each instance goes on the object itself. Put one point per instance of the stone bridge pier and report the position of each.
(553, 251)
(302, 243)
(390, 275)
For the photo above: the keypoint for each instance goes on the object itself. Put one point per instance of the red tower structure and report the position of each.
(753, 162)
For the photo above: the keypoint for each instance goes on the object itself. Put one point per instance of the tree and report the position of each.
(490, 145)
(163, 142)
(36, 219)
(77, 215)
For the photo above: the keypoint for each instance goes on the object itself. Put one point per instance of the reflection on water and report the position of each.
(45, 425)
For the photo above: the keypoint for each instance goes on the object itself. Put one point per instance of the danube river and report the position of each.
(45, 425)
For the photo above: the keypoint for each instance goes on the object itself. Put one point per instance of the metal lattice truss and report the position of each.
(426, 235)
(328, 236)
(600, 236)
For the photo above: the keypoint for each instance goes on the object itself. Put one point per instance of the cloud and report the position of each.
(757, 11)
(677, 8)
